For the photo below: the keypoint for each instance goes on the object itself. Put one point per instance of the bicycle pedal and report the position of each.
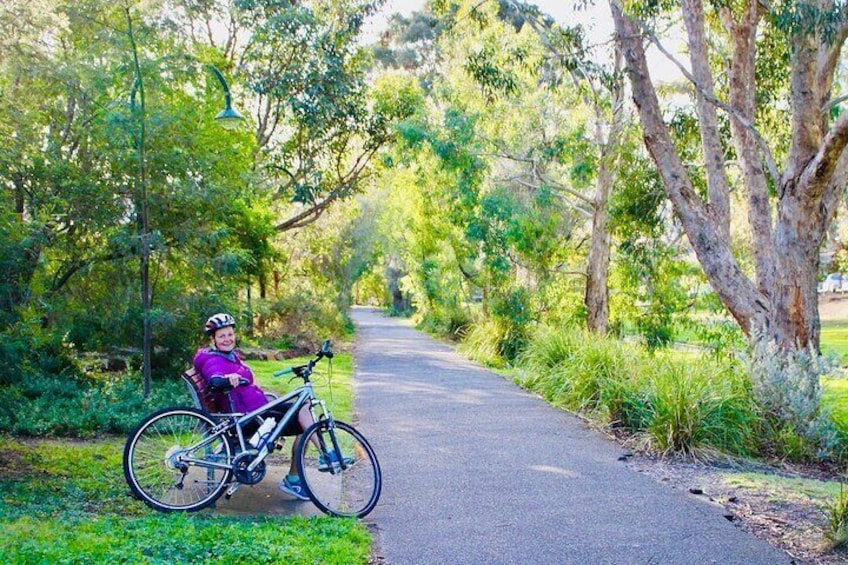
(231, 491)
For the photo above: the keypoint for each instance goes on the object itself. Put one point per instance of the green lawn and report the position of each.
(834, 338)
(64, 501)
(333, 383)
(836, 398)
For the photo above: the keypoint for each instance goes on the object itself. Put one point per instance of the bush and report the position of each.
(28, 349)
(447, 322)
(786, 385)
(50, 407)
(697, 408)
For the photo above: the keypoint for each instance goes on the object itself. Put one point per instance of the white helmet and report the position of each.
(217, 322)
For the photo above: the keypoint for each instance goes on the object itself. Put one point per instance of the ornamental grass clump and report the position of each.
(547, 350)
(698, 407)
(575, 369)
(836, 512)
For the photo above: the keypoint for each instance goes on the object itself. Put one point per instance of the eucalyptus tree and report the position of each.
(500, 235)
(792, 169)
(600, 90)
(583, 84)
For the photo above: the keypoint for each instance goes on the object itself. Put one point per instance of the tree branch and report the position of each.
(771, 165)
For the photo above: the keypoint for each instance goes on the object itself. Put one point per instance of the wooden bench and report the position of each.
(203, 398)
(198, 388)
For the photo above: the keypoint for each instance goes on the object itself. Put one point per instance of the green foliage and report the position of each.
(503, 336)
(720, 337)
(482, 342)
(835, 399)
(584, 372)
(673, 404)
(787, 388)
(66, 502)
(45, 406)
(333, 382)
(836, 512)
(834, 338)
(696, 407)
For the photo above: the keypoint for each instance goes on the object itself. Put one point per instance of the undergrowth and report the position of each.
(697, 405)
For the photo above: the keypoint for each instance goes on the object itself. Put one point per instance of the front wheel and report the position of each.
(173, 461)
(339, 469)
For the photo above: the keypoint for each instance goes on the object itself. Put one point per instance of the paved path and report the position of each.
(476, 470)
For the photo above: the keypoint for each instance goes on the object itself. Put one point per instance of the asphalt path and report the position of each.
(477, 470)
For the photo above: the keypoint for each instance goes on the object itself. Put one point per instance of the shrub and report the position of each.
(49, 407)
(786, 385)
(447, 321)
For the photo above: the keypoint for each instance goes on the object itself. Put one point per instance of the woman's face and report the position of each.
(224, 339)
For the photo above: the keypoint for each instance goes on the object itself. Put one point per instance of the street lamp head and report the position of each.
(229, 118)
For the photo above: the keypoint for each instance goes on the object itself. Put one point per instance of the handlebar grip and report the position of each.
(283, 372)
(243, 382)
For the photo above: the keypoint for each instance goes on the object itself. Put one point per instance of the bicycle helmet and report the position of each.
(218, 321)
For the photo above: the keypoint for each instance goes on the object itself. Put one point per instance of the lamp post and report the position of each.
(229, 118)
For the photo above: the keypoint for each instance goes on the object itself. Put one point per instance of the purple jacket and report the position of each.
(213, 363)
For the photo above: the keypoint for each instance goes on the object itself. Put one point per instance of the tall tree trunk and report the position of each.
(711, 246)
(783, 300)
(596, 297)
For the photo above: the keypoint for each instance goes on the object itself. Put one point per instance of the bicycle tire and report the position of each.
(153, 467)
(352, 491)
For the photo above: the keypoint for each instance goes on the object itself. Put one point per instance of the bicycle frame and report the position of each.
(304, 395)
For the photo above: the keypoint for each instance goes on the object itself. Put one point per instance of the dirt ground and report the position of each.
(833, 307)
(773, 507)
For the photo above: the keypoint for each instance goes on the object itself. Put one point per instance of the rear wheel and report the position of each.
(169, 460)
(347, 484)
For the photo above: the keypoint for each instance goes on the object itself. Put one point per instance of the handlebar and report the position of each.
(303, 371)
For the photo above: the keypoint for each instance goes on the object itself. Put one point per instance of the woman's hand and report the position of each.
(234, 379)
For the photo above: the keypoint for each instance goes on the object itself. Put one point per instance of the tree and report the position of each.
(601, 91)
(789, 210)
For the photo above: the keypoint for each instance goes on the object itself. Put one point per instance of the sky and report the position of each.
(596, 19)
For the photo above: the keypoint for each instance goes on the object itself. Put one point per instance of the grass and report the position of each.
(333, 383)
(65, 501)
(786, 488)
(836, 399)
(834, 338)
(673, 401)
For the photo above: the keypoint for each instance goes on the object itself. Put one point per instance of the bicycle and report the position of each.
(184, 459)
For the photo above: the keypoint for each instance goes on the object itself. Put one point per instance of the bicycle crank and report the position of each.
(241, 462)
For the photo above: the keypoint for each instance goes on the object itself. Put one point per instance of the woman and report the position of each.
(220, 365)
